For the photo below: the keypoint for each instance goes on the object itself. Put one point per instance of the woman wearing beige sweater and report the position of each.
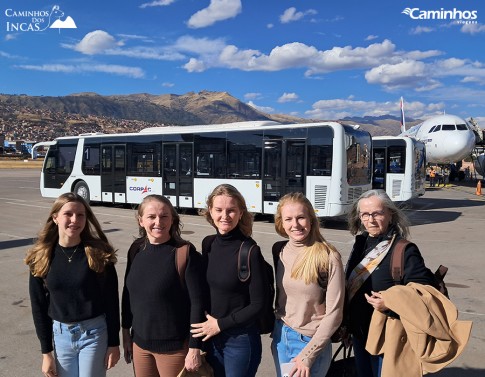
(310, 291)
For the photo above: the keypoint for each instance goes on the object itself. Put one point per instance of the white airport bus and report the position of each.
(327, 161)
(399, 166)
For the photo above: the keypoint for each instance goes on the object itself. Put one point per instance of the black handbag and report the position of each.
(344, 367)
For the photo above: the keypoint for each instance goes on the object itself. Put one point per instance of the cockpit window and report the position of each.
(431, 129)
(448, 127)
(438, 127)
(461, 127)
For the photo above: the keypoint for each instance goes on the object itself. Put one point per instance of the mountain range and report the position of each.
(204, 107)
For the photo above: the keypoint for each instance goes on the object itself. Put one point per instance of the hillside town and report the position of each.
(23, 126)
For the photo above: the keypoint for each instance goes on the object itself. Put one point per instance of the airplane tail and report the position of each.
(403, 120)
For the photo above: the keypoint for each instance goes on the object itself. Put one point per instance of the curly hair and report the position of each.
(98, 249)
(176, 227)
(399, 220)
(316, 253)
(246, 222)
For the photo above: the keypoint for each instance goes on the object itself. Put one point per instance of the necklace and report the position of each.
(69, 258)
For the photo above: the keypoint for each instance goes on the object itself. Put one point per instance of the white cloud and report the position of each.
(10, 37)
(195, 65)
(291, 15)
(472, 28)
(156, 3)
(6, 55)
(96, 42)
(264, 109)
(341, 108)
(288, 97)
(168, 84)
(133, 72)
(371, 37)
(252, 96)
(218, 10)
(420, 30)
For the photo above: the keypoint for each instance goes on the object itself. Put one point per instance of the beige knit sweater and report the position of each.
(310, 309)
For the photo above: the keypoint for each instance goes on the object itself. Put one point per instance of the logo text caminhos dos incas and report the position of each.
(457, 15)
(38, 20)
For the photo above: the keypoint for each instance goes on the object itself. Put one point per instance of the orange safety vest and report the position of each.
(432, 174)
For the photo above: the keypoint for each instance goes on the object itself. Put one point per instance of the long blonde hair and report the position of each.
(315, 258)
(98, 250)
(246, 222)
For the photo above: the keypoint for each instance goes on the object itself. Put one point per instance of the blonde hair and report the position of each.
(99, 251)
(315, 257)
(245, 224)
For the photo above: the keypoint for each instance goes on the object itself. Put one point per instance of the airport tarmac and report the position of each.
(447, 224)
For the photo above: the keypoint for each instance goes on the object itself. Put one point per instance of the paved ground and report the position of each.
(448, 226)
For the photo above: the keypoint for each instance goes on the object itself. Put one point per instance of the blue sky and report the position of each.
(310, 58)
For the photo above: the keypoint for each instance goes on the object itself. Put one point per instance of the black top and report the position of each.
(359, 311)
(72, 292)
(155, 304)
(232, 302)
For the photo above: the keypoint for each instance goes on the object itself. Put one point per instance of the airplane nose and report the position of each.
(460, 145)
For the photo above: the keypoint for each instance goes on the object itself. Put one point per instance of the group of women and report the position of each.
(178, 303)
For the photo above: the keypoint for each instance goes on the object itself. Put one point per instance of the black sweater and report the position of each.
(359, 311)
(72, 292)
(232, 302)
(155, 305)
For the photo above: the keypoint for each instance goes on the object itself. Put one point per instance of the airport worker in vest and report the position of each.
(432, 177)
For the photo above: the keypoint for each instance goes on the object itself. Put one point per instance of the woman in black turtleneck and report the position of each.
(233, 306)
(378, 224)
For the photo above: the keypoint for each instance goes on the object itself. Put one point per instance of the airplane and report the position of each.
(448, 138)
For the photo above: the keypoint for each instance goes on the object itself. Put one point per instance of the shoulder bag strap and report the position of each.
(244, 254)
(397, 260)
(182, 256)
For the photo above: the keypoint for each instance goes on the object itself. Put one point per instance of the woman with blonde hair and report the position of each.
(74, 292)
(234, 306)
(310, 291)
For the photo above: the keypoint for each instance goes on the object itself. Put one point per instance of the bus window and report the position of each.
(210, 155)
(144, 159)
(90, 165)
(396, 159)
(358, 159)
(243, 155)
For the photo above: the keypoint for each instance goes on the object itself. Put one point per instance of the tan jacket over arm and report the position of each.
(428, 337)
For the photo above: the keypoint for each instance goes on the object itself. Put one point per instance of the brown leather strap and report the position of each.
(182, 254)
(397, 260)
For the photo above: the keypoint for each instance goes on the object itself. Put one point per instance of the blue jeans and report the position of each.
(80, 348)
(367, 365)
(287, 344)
(235, 352)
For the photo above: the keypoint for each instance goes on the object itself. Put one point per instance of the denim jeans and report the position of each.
(367, 365)
(235, 352)
(287, 344)
(80, 348)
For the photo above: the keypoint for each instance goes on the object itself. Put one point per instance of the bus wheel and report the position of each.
(82, 189)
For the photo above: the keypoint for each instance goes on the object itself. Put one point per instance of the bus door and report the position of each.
(178, 174)
(380, 168)
(284, 170)
(113, 173)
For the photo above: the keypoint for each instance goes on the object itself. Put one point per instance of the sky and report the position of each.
(308, 58)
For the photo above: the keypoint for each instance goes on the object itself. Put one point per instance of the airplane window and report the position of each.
(461, 127)
(438, 128)
(431, 129)
(448, 127)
